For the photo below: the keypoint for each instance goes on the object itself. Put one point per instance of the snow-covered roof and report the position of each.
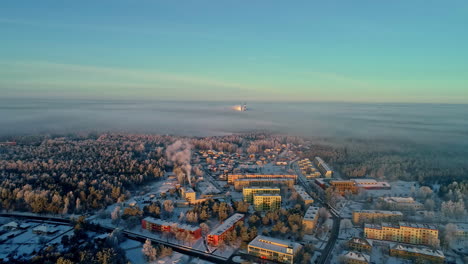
(357, 256)
(10, 225)
(228, 223)
(379, 212)
(419, 250)
(311, 213)
(274, 244)
(360, 240)
(41, 229)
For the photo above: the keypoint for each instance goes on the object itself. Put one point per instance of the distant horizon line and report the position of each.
(241, 101)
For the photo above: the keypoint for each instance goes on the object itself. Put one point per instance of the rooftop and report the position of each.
(274, 244)
(228, 223)
(378, 212)
(360, 240)
(400, 224)
(357, 256)
(311, 213)
(419, 250)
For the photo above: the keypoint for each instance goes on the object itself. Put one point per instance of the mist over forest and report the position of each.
(384, 140)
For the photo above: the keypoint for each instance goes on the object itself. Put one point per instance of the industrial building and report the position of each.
(404, 232)
(274, 249)
(219, 233)
(374, 216)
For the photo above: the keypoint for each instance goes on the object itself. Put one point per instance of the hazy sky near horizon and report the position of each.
(370, 51)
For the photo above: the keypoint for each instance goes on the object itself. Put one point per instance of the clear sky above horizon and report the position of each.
(369, 51)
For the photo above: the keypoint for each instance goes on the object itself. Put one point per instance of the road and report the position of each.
(129, 234)
(326, 252)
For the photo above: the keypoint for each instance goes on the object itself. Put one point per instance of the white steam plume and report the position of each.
(180, 153)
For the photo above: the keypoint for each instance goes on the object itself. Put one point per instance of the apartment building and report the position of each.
(267, 202)
(374, 216)
(323, 167)
(219, 233)
(242, 183)
(359, 244)
(404, 232)
(274, 249)
(310, 219)
(249, 192)
(417, 253)
(303, 195)
(233, 177)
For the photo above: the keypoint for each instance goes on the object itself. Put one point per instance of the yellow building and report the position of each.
(249, 192)
(242, 183)
(323, 167)
(411, 233)
(266, 202)
(188, 194)
(372, 216)
(310, 219)
(303, 195)
(233, 177)
(274, 249)
(417, 253)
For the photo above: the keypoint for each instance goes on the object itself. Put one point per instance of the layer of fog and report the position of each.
(444, 126)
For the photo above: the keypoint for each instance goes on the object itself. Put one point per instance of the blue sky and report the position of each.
(370, 51)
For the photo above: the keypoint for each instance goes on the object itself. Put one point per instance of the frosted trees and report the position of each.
(115, 215)
(452, 209)
(205, 229)
(149, 251)
(168, 206)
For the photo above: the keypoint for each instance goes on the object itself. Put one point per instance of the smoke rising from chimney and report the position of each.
(180, 153)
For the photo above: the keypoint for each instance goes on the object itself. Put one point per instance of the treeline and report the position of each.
(64, 175)
(392, 161)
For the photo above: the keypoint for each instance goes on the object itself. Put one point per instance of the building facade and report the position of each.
(417, 253)
(233, 177)
(274, 249)
(303, 195)
(410, 233)
(373, 216)
(242, 183)
(323, 167)
(359, 244)
(310, 219)
(249, 192)
(267, 202)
